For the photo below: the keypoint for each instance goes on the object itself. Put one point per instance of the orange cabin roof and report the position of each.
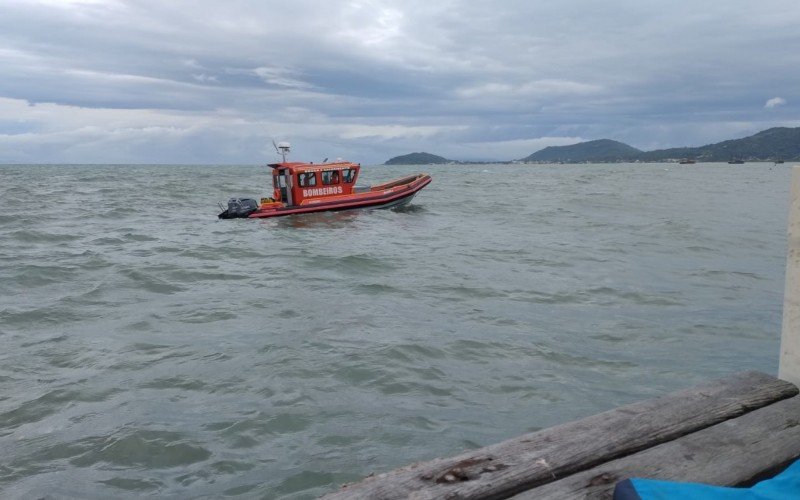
(296, 166)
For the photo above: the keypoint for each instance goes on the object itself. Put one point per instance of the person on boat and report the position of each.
(330, 177)
(307, 179)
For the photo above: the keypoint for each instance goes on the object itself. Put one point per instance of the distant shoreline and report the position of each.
(779, 144)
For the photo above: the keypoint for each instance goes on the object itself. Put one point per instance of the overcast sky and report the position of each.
(195, 81)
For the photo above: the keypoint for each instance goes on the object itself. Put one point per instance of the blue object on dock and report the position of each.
(784, 486)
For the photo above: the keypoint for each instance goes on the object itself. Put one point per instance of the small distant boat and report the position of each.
(778, 161)
(300, 188)
(687, 161)
(736, 161)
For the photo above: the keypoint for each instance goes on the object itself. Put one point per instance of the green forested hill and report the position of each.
(416, 159)
(780, 143)
(601, 150)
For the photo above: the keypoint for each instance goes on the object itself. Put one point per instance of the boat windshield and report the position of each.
(330, 177)
(307, 179)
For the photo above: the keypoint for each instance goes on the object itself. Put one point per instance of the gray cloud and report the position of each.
(142, 80)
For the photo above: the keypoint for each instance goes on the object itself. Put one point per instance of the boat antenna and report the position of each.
(283, 149)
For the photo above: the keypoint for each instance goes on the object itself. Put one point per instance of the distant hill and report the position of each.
(602, 150)
(416, 159)
(778, 143)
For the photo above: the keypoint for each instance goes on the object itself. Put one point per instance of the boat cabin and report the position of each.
(296, 183)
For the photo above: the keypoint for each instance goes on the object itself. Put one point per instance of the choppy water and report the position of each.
(150, 349)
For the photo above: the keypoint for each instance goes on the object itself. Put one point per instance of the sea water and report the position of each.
(151, 349)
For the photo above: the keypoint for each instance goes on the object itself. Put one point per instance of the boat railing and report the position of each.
(398, 182)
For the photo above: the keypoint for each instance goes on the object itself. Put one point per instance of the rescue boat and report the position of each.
(300, 188)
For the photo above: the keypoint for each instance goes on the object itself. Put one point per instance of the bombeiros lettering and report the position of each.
(323, 191)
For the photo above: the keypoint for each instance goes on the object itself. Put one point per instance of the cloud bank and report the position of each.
(215, 82)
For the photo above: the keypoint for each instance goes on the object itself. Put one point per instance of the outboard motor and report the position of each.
(239, 208)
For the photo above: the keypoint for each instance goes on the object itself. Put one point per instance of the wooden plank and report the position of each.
(789, 366)
(732, 453)
(516, 465)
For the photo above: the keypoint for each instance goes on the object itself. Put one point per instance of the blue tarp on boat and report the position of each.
(784, 486)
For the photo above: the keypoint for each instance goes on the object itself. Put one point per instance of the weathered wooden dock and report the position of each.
(727, 432)
(730, 432)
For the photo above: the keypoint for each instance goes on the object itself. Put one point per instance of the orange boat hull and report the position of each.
(390, 194)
